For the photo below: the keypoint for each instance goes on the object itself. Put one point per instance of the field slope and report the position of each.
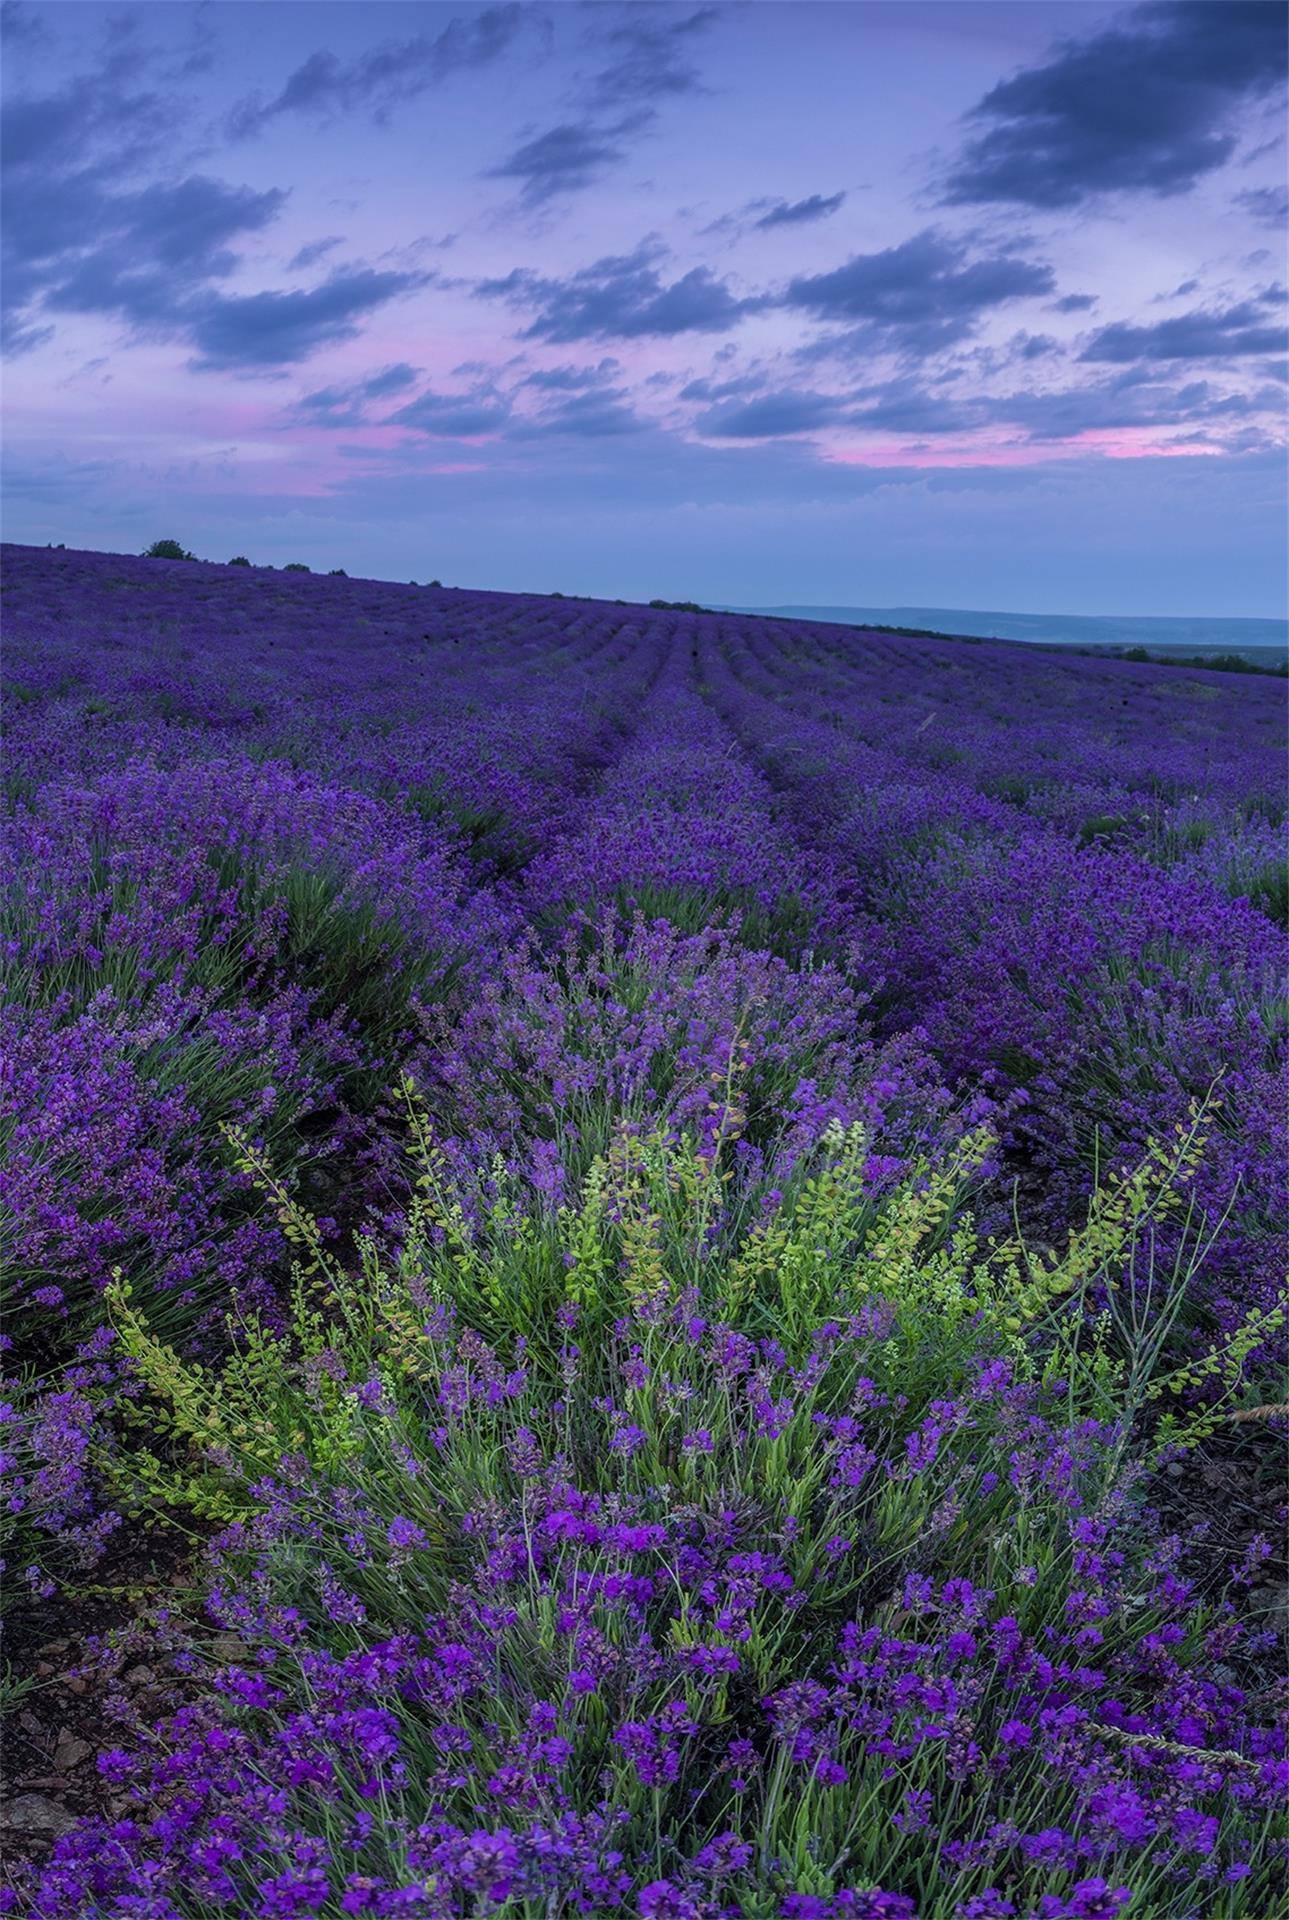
(644, 1258)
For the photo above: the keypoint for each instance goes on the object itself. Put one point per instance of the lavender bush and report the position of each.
(642, 1607)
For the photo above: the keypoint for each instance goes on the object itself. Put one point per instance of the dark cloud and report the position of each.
(594, 415)
(385, 77)
(650, 58)
(919, 296)
(705, 389)
(82, 235)
(1130, 399)
(349, 405)
(391, 379)
(795, 213)
(615, 105)
(912, 404)
(558, 402)
(21, 25)
(903, 406)
(203, 49)
(569, 379)
(1223, 334)
(76, 239)
(769, 213)
(260, 331)
(1074, 303)
(98, 127)
(567, 157)
(1034, 346)
(1126, 400)
(772, 415)
(21, 336)
(455, 416)
(621, 297)
(315, 250)
(185, 228)
(1149, 104)
(1269, 206)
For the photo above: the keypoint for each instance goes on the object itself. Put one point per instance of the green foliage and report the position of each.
(265, 927)
(489, 834)
(650, 1234)
(167, 550)
(1269, 890)
(1013, 787)
(356, 961)
(1125, 1359)
(239, 560)
(1271, 807)
(14, 1688)
(786, 927)
(1101, 827)
(296, 566)
(1206, 662)
(372, 1411)
(754, 1083)
(267, 931)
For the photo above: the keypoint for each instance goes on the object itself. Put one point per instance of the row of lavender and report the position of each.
(595, 876)
(1077, 898)
(249, 850)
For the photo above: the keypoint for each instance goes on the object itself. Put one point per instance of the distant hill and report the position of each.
(1263, 640)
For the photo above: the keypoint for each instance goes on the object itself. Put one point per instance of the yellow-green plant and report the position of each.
(649, 1229)
(1115, 1361)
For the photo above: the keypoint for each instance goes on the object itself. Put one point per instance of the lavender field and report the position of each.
(645, 1262)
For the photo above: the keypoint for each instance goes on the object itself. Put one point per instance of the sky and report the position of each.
(946, 302)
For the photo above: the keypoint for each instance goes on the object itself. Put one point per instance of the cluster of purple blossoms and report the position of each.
(560, 1681)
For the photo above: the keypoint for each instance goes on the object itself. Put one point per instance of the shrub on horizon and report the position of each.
(296, 566)
(239, 560)
(167, 550)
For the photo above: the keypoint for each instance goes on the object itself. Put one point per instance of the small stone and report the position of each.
(32, 1813)
(230, 1647)
(140, 1677)
(70, 1750)
(1277, 1606)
